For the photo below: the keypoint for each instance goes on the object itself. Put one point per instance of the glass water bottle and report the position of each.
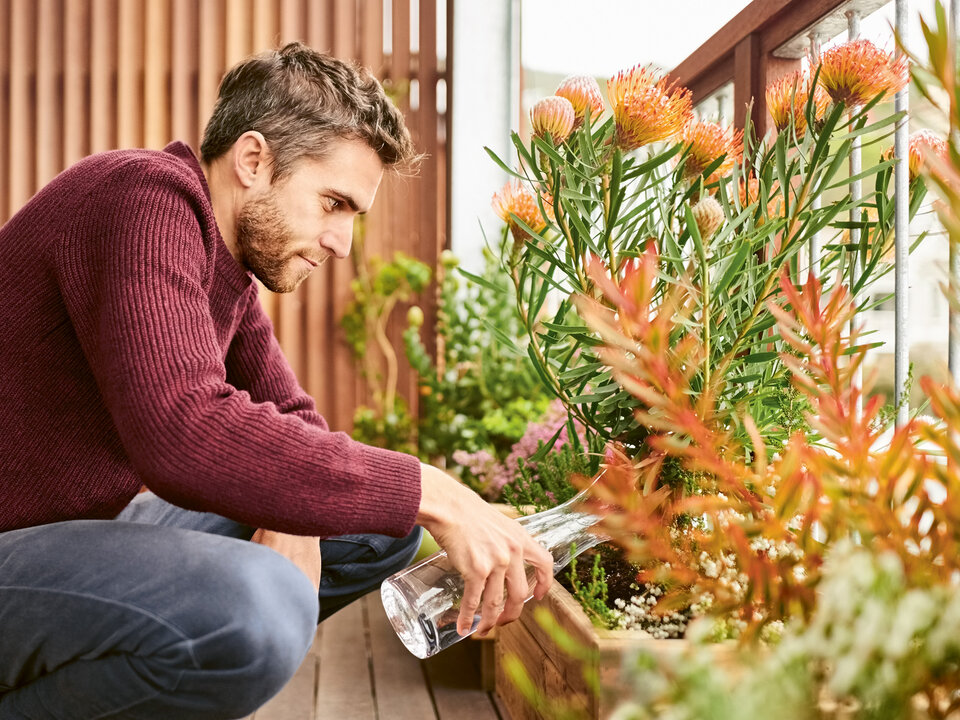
(423, 601)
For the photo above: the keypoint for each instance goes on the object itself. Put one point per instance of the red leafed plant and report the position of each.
(750, 542)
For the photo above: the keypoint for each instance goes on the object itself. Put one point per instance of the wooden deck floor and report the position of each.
(358, 669)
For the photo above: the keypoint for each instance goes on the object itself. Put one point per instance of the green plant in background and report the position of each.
(377, 289)
(481, 392)
(544, 481)
(728, 214)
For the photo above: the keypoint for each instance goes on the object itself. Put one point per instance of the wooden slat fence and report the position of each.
(84, 76)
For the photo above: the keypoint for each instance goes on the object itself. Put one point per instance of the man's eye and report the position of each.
(333, 204)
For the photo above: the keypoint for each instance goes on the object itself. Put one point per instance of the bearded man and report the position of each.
(137, 354)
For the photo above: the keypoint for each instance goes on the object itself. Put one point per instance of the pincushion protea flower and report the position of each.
(645, 108)
(857, 71)
(704, 142)
(708, 214)
(515, 200)
(749, 193)
(787, 100)
(922, 144)
(583, 92)
(554, 117)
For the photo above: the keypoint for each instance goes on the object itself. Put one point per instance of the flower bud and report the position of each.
(553, 116)
(584, 95)
(708, 214)
(414, 316)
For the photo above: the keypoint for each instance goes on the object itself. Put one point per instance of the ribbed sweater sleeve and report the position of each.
(251, 446)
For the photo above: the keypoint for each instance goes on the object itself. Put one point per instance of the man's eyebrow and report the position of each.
(344, 197)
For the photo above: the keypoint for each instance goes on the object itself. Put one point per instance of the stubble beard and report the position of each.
(263, 237)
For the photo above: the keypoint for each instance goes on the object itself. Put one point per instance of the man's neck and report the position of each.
(223, 200)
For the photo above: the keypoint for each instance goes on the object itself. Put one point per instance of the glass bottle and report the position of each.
(423, 601)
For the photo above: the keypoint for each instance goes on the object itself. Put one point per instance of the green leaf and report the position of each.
(734, 266)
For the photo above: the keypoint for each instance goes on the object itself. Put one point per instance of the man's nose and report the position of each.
(339, 239)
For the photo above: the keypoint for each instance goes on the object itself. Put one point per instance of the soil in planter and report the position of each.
(630, 604)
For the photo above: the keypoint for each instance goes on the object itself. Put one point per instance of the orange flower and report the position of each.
(583, 92)
(704, 143)
(749, 193)
(645, 108)
(857, 71)
(514, 201)
(787, 100)
(554, 117)
(922, 145)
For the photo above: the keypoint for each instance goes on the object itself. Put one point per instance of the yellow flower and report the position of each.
(787, 100)
(514, 201)
(922, 144)
(708, 214)
(857, 71)
(583, 92)
(704, 142)
(553, 117)
(645, 108)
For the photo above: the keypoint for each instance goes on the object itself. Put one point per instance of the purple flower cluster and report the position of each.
(493, 475)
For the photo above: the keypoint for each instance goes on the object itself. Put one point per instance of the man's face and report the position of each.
(294, 225)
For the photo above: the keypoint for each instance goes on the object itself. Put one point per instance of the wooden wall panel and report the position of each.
(84, 76)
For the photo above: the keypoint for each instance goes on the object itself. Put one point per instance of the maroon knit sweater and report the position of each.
(136, 352)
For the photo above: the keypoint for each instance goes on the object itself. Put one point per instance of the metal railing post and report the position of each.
(814, 245)
(856, 193)
(901, 236)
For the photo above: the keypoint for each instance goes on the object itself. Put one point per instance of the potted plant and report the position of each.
(650, 236)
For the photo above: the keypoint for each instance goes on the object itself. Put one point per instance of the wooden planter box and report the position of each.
(560, 676)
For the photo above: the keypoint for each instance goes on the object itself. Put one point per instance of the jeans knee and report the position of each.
(270, 624)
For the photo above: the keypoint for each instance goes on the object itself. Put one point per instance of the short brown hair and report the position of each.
(301, 100)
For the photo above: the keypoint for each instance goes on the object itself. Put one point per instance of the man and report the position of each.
(136, 353)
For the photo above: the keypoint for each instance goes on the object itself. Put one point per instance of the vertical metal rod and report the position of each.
(953, 344)
(856, 193)
(901, 237)
(814, 245)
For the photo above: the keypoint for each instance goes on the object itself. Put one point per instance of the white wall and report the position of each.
(485, 88)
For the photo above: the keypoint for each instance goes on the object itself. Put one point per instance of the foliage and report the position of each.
(592, 595)
(545, 483)
(481, 393)
(725, 223)
(377, 289)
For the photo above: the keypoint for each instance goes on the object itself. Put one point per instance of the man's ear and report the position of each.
(251, 159)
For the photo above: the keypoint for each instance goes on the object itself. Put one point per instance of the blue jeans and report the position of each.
(164, 613)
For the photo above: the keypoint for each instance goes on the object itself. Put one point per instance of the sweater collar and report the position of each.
(233, 272)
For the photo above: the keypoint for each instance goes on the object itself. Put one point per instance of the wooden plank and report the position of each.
(212, 57)
(49, 111)
(454, 678)
(319, 25)
(238, 37)
(22, 128)
(293, 21)
(345, 685)
(156, 92)
(296, 700)
(103, 68)
(130, 75)
(401, 687)
(76, 70)
(184, 64)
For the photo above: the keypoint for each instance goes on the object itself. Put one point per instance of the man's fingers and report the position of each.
(493, 598)
(472, 591)
(518, 590)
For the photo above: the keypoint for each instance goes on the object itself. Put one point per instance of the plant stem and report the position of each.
(390, 386)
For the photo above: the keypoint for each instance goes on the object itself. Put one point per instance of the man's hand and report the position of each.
(489, 549)
(304, 552)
